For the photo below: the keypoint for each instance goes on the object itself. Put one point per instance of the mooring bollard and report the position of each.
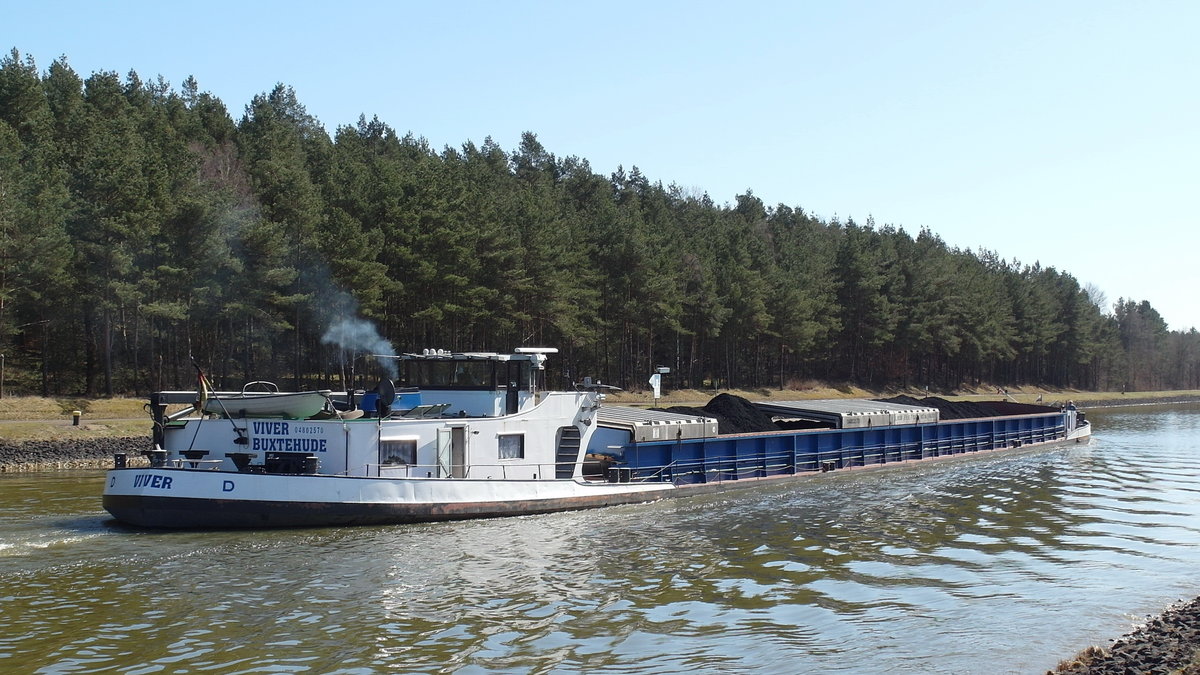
(75, 417)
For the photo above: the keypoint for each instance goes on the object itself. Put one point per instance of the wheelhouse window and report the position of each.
(515, 374)
(398, 451)
(512, 446)
(450, 374)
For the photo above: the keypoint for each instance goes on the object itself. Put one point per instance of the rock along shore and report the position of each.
(96, 453)
(1168, 644)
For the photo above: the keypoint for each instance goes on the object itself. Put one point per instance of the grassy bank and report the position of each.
(1017, 394)
(37, 418)
(26, 418)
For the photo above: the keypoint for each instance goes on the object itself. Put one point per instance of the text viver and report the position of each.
(152, 481)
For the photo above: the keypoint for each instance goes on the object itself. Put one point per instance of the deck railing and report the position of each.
(740, 457)
(727, 458)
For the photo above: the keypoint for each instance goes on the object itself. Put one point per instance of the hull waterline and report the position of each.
(142, 508)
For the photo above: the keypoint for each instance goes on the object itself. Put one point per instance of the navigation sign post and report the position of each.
(656, 382)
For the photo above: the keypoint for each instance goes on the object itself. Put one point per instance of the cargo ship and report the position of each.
(477, 435)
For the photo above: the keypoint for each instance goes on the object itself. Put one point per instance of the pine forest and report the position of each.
(142, 228)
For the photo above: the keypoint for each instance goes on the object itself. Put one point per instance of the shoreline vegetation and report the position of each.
(145, 223)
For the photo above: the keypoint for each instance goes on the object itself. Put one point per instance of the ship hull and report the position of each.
(193, 498)
(179, 497)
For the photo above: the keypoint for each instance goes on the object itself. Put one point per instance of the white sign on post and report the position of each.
(656, 383)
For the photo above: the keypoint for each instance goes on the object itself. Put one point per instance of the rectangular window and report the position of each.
(450, 374)
(516, 375)
(512, 446)
(472, 374)
(398, 451)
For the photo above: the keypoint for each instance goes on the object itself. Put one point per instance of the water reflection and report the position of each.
(993, 564)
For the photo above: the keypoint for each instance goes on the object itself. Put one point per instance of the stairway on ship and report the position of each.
(568, 452)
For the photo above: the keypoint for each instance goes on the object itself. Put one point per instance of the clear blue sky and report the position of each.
(1065, 132)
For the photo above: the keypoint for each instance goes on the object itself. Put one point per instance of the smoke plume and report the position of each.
(355, 334)
(351, 332)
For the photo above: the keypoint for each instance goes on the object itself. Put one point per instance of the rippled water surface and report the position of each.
(996, 564)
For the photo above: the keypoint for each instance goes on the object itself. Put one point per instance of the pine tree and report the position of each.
(34, 249)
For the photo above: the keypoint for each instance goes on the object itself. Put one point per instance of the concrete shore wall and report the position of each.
(51, 455)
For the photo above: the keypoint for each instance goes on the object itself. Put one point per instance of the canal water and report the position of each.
(996, 564)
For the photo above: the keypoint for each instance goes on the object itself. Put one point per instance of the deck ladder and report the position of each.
(568, 452)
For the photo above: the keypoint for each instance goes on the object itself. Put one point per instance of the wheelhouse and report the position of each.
(469, 371)
(476, 383)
